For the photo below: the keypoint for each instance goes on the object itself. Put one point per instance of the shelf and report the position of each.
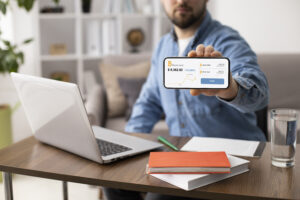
(138, 15)
(98, 16)
(89, 57)
(71, 29)
(59, 57)
(58, 16)
(127, 15)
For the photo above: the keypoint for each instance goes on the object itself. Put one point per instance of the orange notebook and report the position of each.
(188, 163)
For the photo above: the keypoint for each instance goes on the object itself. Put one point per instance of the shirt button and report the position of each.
(182, 125)
(179, 102)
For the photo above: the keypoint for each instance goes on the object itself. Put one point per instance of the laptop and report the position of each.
(57, 117)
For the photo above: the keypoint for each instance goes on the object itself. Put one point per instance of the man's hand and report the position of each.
(227, 94)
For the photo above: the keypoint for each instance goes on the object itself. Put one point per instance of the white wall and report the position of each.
(270, 26)
(6, 24)
(25, 27)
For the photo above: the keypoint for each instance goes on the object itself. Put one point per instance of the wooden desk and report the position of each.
(263, 181)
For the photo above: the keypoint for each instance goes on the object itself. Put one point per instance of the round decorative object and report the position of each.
(135, 38)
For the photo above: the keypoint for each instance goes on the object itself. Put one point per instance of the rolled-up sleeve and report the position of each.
(253, 91)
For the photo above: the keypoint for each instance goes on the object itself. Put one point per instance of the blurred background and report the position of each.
(269, 26)
(80, 41)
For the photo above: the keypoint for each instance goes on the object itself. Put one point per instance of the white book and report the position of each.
(109, 37)
(156, 6)
(106, 6)
(193, 181)
(117, 6)
(230, 146)
(93, 38)
(126, 6)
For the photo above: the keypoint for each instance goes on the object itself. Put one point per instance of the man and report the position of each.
(227, 113)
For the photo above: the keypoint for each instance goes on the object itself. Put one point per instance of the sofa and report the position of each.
(97, 95)
(281, 70)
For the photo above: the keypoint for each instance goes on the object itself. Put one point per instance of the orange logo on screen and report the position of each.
(169, 63)
(200, 64)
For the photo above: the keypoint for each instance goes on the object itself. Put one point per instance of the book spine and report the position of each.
(149, 172)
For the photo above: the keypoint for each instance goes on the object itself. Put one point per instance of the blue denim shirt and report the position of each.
(207, 116)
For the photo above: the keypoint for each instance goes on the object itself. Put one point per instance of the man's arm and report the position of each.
(248, 90)
(147, 109)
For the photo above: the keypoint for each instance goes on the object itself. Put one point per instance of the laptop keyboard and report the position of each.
(109, 148)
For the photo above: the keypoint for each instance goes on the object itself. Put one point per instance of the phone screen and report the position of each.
(188, 73)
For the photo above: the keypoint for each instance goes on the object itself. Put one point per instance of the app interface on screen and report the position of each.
(196, 73)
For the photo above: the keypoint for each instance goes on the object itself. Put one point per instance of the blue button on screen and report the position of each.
(212, 81)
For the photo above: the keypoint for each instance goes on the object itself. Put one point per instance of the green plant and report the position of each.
(10, 55)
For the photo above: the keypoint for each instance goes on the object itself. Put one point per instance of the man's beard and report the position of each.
(187, 21)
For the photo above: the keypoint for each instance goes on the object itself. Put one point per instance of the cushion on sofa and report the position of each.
(110, 74)
(131, 89)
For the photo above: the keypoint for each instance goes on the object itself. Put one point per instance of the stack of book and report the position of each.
(190, 170)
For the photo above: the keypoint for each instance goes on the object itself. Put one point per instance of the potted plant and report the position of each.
(11, 57)
(86, 5)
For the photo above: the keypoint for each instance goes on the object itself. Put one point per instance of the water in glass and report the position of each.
(283, 137)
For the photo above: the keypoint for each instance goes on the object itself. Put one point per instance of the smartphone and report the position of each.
(196, 73)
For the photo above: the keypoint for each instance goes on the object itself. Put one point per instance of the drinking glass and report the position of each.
(283, 137)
